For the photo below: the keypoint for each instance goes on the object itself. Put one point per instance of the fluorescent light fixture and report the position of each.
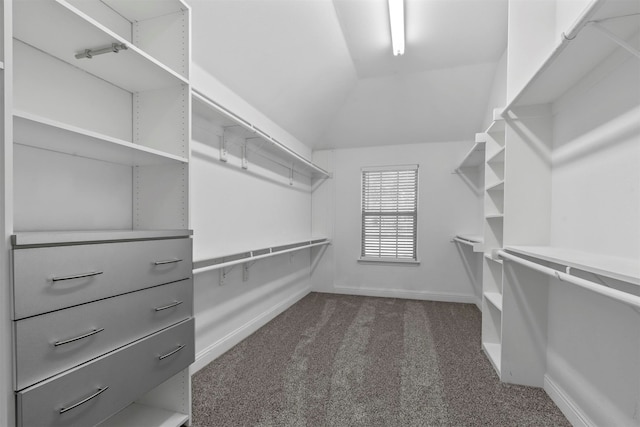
(396, 19)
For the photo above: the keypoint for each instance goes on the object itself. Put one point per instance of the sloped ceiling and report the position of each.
(324, 71)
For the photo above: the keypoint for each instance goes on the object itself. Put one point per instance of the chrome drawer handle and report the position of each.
(85, 400)
(168, 306)
(88, 334)
(171, 353)
(169, 261)
(77, 276)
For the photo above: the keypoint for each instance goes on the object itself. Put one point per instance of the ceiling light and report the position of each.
(396, 18)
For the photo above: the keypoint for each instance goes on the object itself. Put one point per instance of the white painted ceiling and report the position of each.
(324, 71)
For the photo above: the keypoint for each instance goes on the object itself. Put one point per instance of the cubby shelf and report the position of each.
(497, 157)
(580, 50)
(495, 216)
(624, 269)
(210, 110)
(474, 158)
(140, 415)
(499, 186)
(494, 298)
(40, 132)
(61, 30)
(493, 351)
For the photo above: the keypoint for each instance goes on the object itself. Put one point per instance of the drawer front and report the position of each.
(52, 278)
(93, 392)
(51, 343)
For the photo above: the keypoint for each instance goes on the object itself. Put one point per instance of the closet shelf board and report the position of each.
(496, 187)
(62, 31)
(39, 132)
(493, 352)
(135, 11)
(494, 298)
(140, 415)
(492, 259)
(211, 111)
(624, 269)
(52, 238)
(497, 157)
(572, 59)
(474, 157)
(494, 216)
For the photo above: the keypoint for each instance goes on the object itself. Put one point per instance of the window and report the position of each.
(389, 213)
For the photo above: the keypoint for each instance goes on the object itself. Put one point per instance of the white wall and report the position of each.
(235, 210)
(447, 205)
(498, 93)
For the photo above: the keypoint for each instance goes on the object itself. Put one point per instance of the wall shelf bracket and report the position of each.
(223, 147)
(291, 175)
(245, 161)
(615, 38)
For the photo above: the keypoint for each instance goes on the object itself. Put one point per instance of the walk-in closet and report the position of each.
(320, 212)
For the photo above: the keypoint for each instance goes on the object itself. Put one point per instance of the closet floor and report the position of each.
(336, 360)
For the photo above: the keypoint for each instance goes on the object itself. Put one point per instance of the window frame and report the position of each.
(414, 213)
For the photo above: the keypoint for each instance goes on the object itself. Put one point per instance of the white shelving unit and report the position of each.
(565, 125)
(493, 239)
(256, 140)
(471, 169)
(96, 148)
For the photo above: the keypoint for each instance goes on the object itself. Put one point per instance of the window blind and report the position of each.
(389, 213)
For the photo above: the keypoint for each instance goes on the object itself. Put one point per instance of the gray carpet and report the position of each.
(333, 360)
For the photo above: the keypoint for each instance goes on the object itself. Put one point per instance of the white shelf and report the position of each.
(493, 352)
(208, 264)
(496, 187)
(39, 238)
(494, 298)
(208, 109)
(497, 157)
(39, 132)
(61, 30)
(497, 125)
(490, 258)
(145, 416)
(475, 241)
(474, 158)
(494, 216)
(624, 269)
(572, 59)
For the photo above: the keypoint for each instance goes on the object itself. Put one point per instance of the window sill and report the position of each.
(388, 261)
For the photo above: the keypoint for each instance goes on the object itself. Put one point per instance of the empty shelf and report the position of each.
(572, 59)
(625, 269)
(39, 132)
(496, 187)
(474, 158)
(493, 353)
(494, 298)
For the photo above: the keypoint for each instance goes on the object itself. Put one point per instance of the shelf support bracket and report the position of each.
(223, 147)
(245, 161)
(222, 276)
(245, 272)
(291, 175)
(615, 38)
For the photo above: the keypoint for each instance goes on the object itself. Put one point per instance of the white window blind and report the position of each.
(390, 213)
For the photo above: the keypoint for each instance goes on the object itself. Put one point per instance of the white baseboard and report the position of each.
(215, 350)
(567, 406)
(399, 293)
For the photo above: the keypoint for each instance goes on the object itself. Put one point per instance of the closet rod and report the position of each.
(464, 241)
(271, 252)
(614, 294)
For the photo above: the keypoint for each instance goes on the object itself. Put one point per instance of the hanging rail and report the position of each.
(250, 127)
(614, 294)
(254, 255)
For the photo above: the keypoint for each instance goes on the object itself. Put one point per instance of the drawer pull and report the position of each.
(88, 334)
(171, 353)
(76, 276)
(85, 400)
(173, 304)
(169, 261)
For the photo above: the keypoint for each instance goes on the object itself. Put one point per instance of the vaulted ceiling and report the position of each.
(324, 71)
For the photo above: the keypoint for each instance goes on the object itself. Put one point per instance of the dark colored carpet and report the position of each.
(333, 360)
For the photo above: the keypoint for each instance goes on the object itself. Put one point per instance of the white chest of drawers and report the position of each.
(98, 324)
